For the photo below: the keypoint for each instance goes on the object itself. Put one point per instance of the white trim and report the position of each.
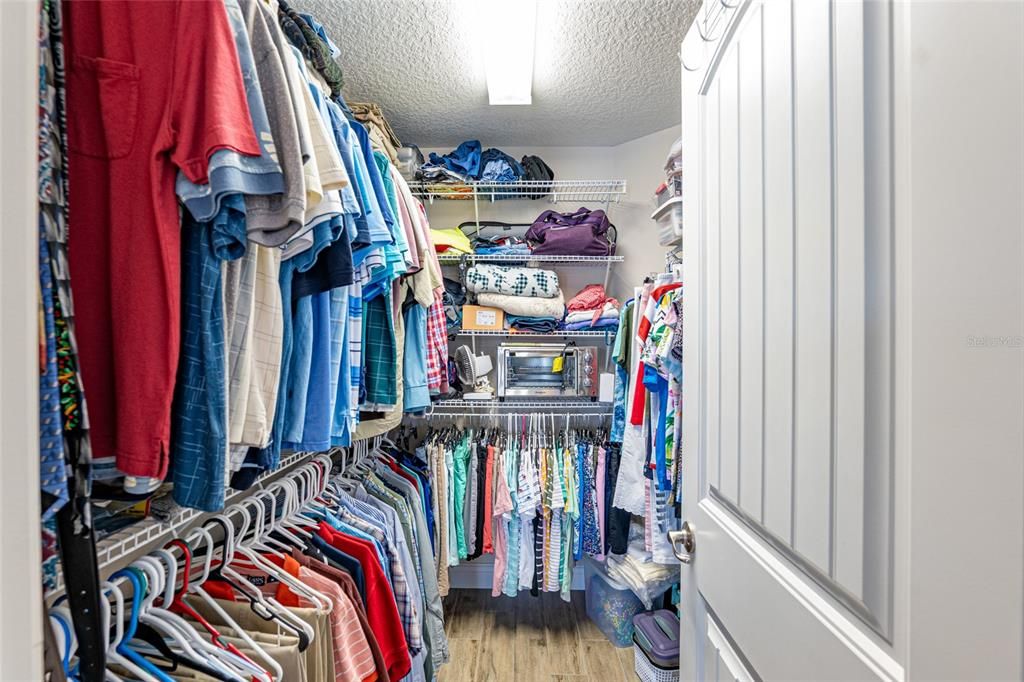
(735, 665)
(873, 656)
(21, 605)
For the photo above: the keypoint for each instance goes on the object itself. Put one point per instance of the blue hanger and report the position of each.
(139, 583)
(65, 655)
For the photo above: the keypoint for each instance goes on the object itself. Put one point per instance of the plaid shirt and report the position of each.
(412, 619)
(379, 356)
(437, 349)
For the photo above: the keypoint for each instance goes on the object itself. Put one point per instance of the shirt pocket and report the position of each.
(107, 100)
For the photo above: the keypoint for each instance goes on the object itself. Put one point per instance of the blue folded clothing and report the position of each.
(602, 323)
(538, 325)
(502, 250)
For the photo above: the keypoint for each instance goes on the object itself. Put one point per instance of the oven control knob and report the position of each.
(588, 358)
(588, 382)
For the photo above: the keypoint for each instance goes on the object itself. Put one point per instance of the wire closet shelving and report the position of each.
(602, 191)
(458, 258)
(152, 531)
(558, 333)
(550, 404)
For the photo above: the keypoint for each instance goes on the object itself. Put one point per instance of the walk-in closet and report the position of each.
(522, 340)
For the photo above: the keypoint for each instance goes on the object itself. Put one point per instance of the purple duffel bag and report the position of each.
(583, 233)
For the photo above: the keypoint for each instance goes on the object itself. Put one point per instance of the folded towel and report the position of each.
(527, 306)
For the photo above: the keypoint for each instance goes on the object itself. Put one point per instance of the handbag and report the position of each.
(583, 233)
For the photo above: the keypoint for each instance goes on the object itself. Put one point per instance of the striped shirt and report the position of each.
(353, 659)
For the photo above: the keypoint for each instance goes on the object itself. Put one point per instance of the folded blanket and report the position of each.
(602, 323)
(539, 325)
(527, 306)
(512, 281)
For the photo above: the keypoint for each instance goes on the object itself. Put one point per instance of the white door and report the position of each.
(853, 439)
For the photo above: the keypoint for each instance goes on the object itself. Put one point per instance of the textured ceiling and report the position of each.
(606, 71)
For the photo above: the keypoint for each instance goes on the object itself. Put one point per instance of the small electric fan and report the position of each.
(472, 370)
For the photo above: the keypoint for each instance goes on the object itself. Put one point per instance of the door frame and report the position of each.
(21, 605)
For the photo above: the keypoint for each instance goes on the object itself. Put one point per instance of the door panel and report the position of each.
(788, 335)
(725, 659)
(812, 285)
(729, 276)
(853, 391)
(778, 271)
(817, 634)
(789, 382)
(750, 311)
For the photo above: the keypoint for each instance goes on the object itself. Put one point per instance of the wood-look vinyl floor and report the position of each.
(528, 639)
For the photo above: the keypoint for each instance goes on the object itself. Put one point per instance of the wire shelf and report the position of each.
(152, 532)
(550, 404)
(593, 333)
(574, 415)
(608, 191)
(528, 258)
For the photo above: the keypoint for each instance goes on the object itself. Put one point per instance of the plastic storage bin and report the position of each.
(648, 671)
(670, 223)
(610, 604)
(656, 646)
(657, 633)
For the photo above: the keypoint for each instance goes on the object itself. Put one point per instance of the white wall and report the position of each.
(641, 162)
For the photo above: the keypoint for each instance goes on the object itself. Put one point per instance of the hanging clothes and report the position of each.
(529, 497)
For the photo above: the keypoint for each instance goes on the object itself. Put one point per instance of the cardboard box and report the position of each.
(482, 318)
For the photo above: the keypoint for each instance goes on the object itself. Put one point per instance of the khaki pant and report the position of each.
(318, 658)
(284, 649)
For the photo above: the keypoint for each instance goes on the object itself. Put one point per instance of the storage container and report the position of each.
(672, 188)
(657, 633)
(648, 671)
(669, 219)
(610, 604)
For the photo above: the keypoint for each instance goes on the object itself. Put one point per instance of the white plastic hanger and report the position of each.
(321, 602)
(162, 566)
(265, 607)
(196, 588)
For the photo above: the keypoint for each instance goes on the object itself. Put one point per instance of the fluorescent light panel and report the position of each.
(506, 30)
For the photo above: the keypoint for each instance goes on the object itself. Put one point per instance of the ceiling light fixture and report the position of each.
(506, 31)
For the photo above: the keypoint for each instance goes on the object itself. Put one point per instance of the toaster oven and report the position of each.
(547, 370)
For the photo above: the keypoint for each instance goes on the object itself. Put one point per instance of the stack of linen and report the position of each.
(530, 297)
(592, 309)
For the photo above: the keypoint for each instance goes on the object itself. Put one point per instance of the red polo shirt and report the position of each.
(381, 608)
(152, 87)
